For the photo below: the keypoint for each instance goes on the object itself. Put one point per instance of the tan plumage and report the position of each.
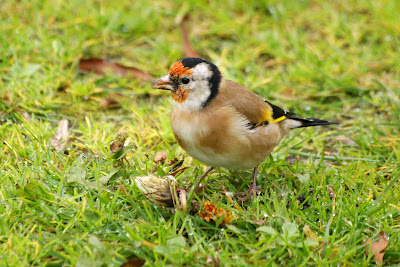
(219, 135)
(222, 123)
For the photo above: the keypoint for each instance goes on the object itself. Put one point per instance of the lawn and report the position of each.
(328, 192)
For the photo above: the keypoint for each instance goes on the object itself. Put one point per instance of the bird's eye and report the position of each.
(185, 80)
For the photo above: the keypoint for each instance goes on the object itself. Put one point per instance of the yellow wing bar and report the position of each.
(281, 118)
(269, 118)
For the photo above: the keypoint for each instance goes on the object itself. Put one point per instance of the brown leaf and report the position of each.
(135, 262)
(259, 222)
(109, 102)
(377, 248)
(212, 212)
(175, 163)
(100, 66)
(161, 156)
(181, 170)
(59, 139)
(187, 46)
(118, 144)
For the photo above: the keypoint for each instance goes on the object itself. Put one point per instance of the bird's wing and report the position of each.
(253, 107)
(279, 114)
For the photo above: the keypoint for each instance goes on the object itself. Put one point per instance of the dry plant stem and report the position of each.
(183, 199)
(198, 182)
(230, 199)
(195, 186)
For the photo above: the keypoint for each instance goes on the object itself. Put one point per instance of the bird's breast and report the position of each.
(189, 128)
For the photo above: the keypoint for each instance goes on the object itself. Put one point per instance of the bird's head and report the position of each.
(193, 82)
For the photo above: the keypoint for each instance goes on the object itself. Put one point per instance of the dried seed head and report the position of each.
(160, 190)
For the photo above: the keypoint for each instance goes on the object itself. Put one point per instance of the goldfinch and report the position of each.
(222, 123)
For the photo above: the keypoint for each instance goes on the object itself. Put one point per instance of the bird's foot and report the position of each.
(253, 190)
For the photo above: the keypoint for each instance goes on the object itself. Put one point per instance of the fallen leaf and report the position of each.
(181, 170)
(212, 212)
(377, 248)
(100, 66)
(161, 156)
(176, 164)
(117, 145)
(109, 102)
(135, 262)
(258, 222)
(59, 139)
(187, 46)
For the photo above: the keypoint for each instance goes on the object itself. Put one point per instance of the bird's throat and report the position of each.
(180, 95)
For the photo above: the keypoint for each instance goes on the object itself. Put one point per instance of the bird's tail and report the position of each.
(308, 122)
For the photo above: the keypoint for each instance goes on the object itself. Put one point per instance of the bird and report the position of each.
(222, 123)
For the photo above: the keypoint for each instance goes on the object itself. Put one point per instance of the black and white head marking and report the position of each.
(206, 79)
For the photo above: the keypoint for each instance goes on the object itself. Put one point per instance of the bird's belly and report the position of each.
(218, 147)
(234, 160)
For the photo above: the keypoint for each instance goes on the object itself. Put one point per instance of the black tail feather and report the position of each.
(307, 122)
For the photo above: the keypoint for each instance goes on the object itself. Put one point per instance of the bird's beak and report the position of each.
(164, 83)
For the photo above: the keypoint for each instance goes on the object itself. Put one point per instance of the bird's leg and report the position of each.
(253, 190)
(196, 187)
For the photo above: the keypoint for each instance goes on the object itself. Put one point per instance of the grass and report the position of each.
(335, 60)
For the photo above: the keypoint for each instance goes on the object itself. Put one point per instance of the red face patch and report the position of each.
(177, 69)
(180, 95)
